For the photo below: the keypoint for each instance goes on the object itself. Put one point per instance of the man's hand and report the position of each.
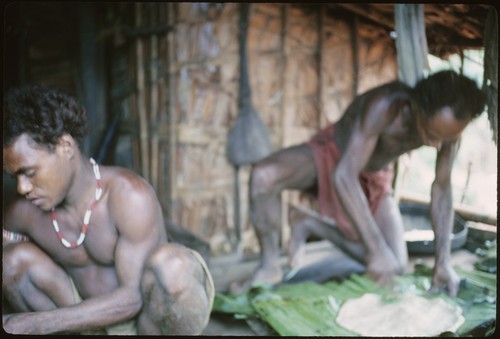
(445, 275)
(18, 324)
(382, 267)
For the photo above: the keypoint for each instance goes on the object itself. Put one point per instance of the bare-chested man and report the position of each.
(349, 165)
(85, 247)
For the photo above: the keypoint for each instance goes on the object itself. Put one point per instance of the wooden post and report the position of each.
(172, 134)
(141, 100)
(285, 232)
(319, 60)
(154, 110)
(355, 55)
(411, 42)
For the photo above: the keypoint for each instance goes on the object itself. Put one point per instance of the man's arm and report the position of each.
(119, 305)
(442, 219)
(381, 263)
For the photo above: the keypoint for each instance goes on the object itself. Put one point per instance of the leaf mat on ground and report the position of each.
(310, 309)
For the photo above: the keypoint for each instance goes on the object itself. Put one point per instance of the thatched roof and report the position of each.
(450, 28)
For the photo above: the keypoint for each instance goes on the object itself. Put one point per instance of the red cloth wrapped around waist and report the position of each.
(375, 185)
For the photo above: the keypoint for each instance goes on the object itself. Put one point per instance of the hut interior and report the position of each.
(161, 84)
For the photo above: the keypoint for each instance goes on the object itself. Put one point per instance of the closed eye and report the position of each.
(30, 174)
(27, 172)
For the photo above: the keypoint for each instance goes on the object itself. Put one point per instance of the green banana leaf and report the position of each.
(310, 309)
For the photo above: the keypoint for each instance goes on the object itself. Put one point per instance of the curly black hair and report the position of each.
(44, 113)
(448, 88)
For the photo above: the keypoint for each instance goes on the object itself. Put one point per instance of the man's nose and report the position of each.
(24, 185)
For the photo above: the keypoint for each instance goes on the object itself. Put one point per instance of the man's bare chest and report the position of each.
(98, 246)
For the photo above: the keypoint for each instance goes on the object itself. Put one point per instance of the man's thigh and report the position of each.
(289, 168)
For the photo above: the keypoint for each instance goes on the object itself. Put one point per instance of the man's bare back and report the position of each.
(399, 134)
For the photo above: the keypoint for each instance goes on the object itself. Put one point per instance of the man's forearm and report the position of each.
(442, 221)
(120, 305)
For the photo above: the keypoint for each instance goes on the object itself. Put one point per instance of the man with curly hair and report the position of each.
(349, 166)
(85, 247)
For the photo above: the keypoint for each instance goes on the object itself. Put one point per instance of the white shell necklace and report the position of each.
(86, 217)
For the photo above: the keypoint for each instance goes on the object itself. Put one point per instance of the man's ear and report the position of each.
(66, 145)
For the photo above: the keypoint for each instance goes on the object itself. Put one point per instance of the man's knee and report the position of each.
(18, 258)
(263, 179)
(178, 290)
(178, 268)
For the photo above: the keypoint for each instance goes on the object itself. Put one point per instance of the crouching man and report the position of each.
(349, 166)
(85, 246)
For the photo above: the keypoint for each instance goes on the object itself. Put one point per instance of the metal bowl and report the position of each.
(418, 229)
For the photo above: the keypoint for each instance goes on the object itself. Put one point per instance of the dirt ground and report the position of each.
(231, 267)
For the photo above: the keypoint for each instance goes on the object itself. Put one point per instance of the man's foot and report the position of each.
(271, 274)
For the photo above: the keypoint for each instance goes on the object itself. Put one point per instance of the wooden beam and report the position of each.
(445, 16)
(366, 10)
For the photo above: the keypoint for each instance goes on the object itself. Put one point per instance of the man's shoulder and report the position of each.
(121, 183)
(397, 86)
(118, 176)
(385, 95)
(20, 213)
(394, 90)
(129, 196)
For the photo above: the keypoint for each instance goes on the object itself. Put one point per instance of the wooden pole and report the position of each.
(285, 196)
(172, 134)
(154, 110)
(141, 102)
(355, 55)
(319, 63)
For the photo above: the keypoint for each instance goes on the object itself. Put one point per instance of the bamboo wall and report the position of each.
(304, 66)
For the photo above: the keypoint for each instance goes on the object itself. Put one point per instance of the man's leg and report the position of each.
(32, 281)
(178, 292)
(305, 226)
(387, 216)
(291, 168)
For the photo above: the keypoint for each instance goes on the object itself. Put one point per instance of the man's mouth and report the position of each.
(35, 201)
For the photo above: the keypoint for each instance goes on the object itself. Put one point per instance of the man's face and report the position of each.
(442, 127)
(42, 175)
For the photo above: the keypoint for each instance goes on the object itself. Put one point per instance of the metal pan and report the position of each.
(418, 229)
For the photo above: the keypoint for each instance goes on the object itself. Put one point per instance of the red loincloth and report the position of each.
(375, 185)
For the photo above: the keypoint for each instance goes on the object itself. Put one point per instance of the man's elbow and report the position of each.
(341, 180)
(131, 306)
(439, 187)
